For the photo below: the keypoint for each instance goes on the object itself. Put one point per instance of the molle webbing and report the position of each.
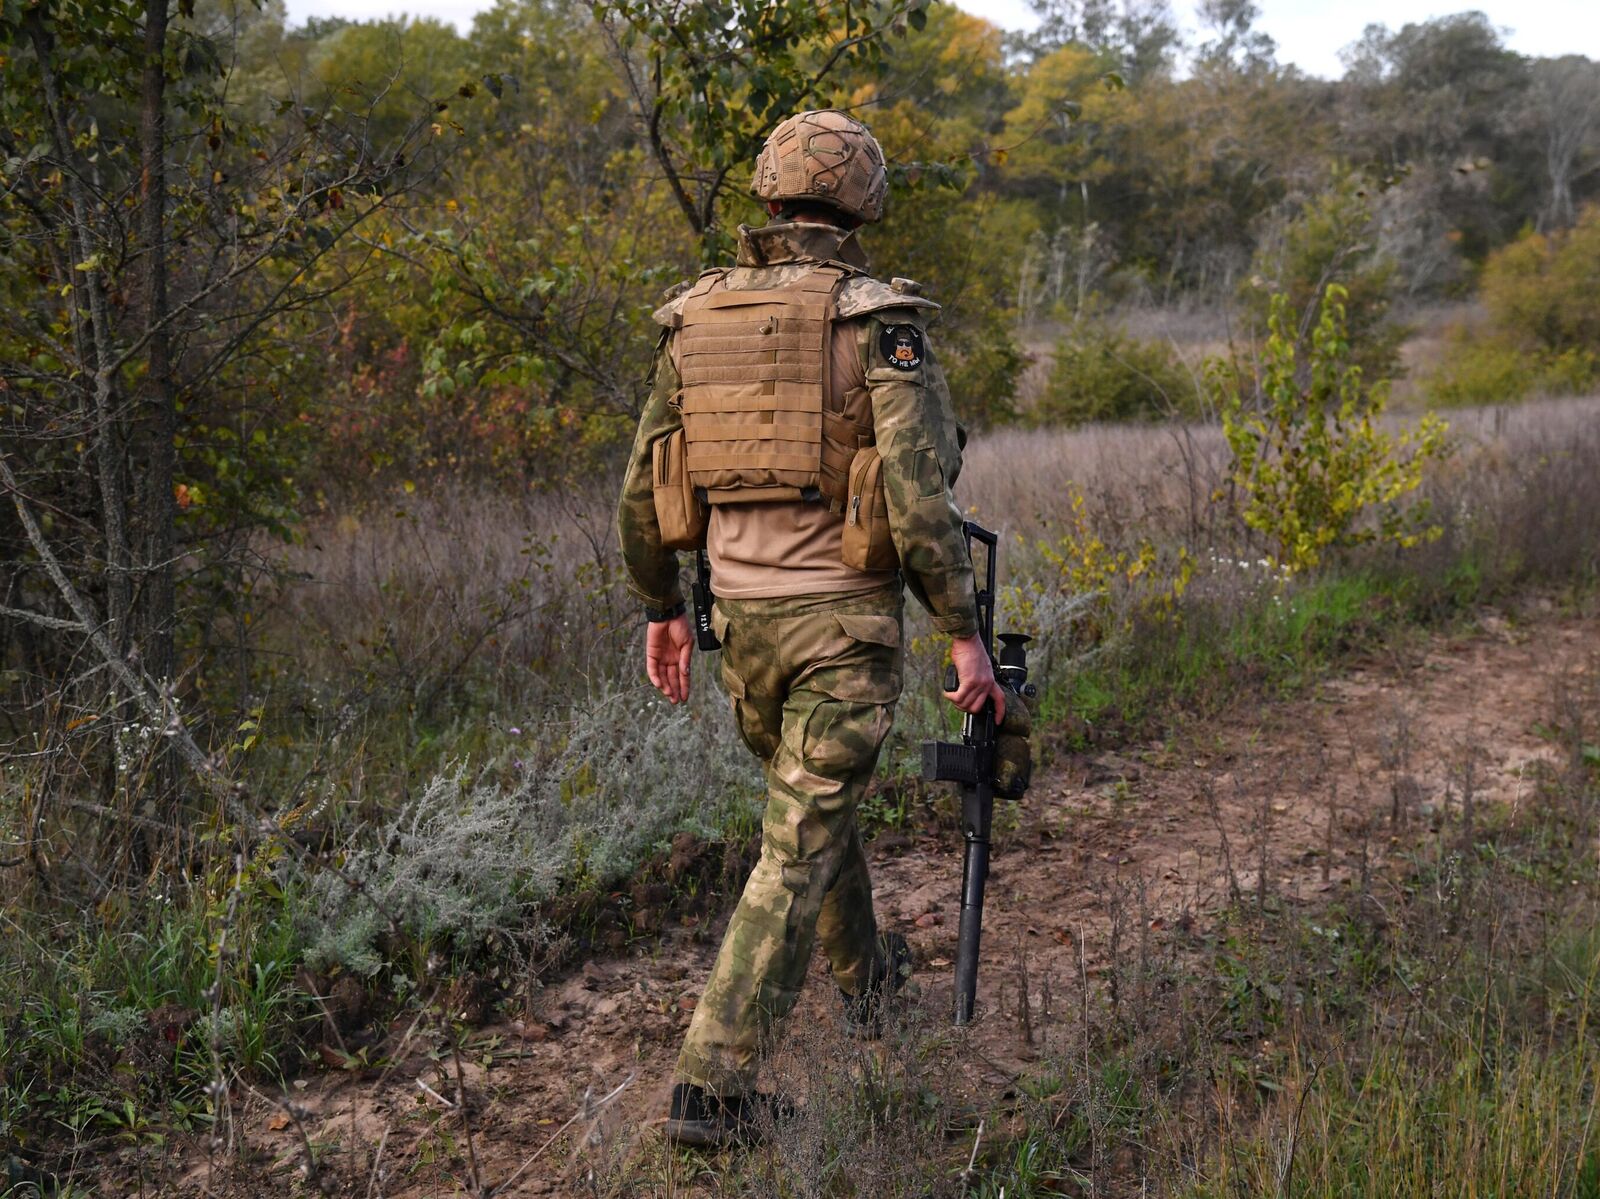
(754, 369)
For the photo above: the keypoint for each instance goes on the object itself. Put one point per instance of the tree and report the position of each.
(1330, 242)
(1433, 110)
(708, 80)
(1566, 97)
(1236, 44)
(1138, 37)
(151, 245)
(1311, 466)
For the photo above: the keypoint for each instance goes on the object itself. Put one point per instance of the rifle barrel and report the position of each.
(979, 805)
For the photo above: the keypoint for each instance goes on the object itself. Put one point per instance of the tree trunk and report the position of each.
(158, 420)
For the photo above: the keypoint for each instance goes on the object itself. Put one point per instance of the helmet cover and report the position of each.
(827, 157)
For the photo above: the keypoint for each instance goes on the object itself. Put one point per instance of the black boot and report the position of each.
(705, 1121)
(864, 1012)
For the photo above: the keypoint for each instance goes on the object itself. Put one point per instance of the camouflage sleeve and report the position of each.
(916, 432)
(652, 569)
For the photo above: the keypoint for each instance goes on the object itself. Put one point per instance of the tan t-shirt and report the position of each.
(763, 551)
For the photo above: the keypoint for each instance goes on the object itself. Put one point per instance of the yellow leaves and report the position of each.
(1118, 586)
(188, 495)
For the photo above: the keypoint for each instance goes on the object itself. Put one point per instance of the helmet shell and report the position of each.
(825, 156)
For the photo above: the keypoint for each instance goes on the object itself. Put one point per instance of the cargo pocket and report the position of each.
(860, 659)
(867, 544)
(745, 717)
(842, 739)
(679, 513)
(754, 729)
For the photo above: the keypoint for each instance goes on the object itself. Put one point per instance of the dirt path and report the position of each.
(1293, 801)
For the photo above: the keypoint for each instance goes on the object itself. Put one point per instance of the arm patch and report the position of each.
(901, 347)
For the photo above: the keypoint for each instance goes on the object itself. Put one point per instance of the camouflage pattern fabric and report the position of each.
(913, 421)
(814, 682)
(652, 569)
(915, 428)
(1013, 752)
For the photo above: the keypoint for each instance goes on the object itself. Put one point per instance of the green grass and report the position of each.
(1488, 1095)
(1211, 654)
(78, 1047)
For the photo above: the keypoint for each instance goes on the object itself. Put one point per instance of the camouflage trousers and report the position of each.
(814, 680)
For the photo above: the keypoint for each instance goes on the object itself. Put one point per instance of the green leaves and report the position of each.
(712, 79)
(1313, 468)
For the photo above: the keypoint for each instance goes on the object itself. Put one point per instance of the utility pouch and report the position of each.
(679, 512)
(867, 544)
(1013, 750)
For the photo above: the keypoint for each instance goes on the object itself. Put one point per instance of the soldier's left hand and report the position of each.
(668, 645)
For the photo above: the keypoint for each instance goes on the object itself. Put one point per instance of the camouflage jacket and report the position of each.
(914, 426)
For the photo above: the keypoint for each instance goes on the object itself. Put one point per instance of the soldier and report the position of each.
(800, 430)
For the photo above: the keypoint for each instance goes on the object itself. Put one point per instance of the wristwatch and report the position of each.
(657, 615)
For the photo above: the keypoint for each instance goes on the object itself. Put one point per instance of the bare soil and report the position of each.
(1298, 803)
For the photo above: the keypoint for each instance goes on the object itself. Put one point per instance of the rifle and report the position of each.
(704, 637)
(971, 763)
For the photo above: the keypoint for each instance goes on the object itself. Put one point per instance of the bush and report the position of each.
(1098, 374)
(1540, 290)
(466, 863)
(1495, 370)
(1312, 467)
(1332, 240)
(1544, 326)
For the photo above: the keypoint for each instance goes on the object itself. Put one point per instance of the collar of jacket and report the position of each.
(791, 241)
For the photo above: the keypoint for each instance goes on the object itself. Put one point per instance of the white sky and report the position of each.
(1309, 33)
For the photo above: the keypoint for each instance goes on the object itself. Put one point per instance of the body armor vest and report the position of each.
(758, 424)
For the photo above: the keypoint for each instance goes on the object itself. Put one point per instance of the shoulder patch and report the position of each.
(862, 294)
(901, 346)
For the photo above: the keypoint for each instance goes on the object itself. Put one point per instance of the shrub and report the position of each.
(1495, 370)
(1544, 327)
(1098, 375)
(1540, 290)
(1312, 467)
(468, 861)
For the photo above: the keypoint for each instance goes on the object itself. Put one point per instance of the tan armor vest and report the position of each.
(753, 366)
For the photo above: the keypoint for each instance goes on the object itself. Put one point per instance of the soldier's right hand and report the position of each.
(668, 645)
(975, 681)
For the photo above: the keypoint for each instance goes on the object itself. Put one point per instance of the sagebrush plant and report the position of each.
(1312, 467)
(468, 860)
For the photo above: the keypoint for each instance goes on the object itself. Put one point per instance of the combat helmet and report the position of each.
(827, 157)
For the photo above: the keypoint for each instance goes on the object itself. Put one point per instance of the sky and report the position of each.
(1309, 33)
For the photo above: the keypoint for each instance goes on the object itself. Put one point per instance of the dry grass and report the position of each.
(1157, 481)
